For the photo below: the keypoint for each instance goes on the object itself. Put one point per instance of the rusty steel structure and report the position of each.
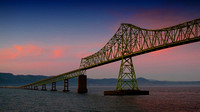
(130, 41)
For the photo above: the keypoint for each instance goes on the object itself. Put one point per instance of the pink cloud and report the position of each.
(57, 53)
(30, 51)
(37, 59)
(20, 51)
(82, 54)
(39, 67)
(153, 19)
(158, 18)
(34, 50)
(89, 49)
(6, 54)
(168, 60)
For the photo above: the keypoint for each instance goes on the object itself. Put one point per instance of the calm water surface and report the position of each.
(161, 99)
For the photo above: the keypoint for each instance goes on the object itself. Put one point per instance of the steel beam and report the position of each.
(127, 77)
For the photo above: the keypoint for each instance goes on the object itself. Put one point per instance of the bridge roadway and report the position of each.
(130, 41)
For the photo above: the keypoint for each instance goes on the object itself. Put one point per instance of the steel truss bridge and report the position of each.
(127, 42)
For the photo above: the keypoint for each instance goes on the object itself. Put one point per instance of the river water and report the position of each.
(161, 99)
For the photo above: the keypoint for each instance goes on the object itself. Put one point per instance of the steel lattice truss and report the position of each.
(135, 41)
(127, 77)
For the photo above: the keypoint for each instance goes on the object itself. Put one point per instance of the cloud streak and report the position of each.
(37, 57)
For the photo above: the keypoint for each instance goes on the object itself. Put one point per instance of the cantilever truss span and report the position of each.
(134, 41)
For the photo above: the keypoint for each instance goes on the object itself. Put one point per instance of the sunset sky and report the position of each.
(44, 37)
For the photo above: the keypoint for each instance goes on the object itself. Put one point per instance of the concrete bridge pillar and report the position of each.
(35, 87)
(53, 88)
(82, 84)
(44, 87)
(31, 87)
(66, 85)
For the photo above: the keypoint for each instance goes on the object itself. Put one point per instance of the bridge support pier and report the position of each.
(53, 88)
(44, 87)
(35, 87)
(82, 84)
(66, 85)
(127, 82)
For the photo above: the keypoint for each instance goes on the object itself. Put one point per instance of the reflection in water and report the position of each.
(160, 99)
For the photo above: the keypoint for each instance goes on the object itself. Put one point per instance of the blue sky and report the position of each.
(50, 37)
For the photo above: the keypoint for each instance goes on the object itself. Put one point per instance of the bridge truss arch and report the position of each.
(129, 41)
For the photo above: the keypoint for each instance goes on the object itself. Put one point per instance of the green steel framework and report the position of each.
(129, 41)
(127, 76)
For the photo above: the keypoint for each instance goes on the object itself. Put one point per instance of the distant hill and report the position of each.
(147, 82)
(8, 79)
